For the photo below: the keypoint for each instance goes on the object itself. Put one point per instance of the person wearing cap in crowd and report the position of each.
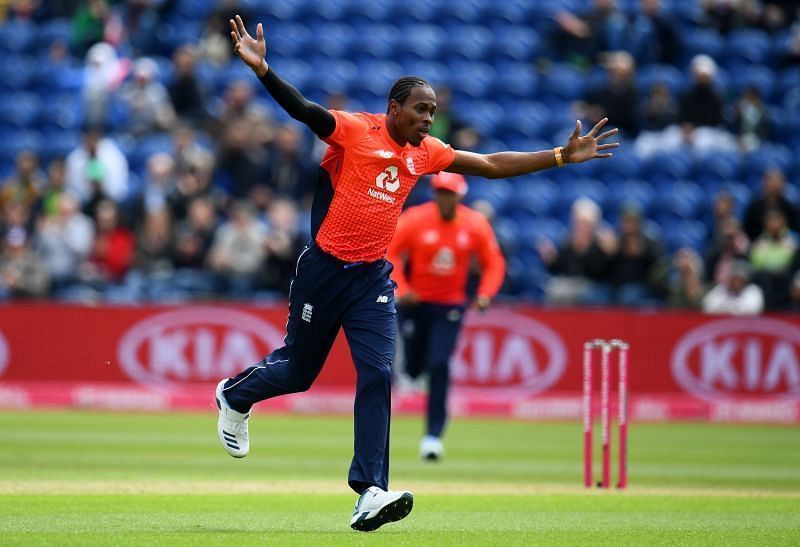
(736, 295)
(432, 252)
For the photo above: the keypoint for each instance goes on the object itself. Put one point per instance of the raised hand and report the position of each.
(250, 50)
(581, 148)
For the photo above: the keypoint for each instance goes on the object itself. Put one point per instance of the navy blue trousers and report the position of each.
(430, 332)
(326, 295)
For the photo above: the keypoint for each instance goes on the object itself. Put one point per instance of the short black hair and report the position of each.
(401, 89)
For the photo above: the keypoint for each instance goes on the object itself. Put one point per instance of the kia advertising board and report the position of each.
(517, 361)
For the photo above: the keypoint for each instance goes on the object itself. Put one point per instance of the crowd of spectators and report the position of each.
(184, 188)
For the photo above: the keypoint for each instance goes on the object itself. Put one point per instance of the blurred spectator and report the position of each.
(146, 100)
(25, 185)
(731, 246)
(185, 90)
(112, 252)
(103, 74)
(191, 183)
(22, 273)
(159, 185)
(773, 186)
(284, 244)
(445, 123)
(617, 96)
(194, 234)
(54, 187)
(215, 45)
(723, 210)
(660, 109)
(772, 255)
(288, 173)
(726, 15)
(735, 295)
(16, 215)
(794, 291)
(154, 240)
(679, 278)
(238, 251)
(97, 167)
(751, 120)
(64, 72)
(655, 35)
(241, 162)
(141, 19)
(238, 105)
(186, 152)
(701, 105)
(581, 266)
(89, 25)
(580, 38)
(634, 258)
(64, 240)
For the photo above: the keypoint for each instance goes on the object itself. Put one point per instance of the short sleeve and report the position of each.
(440, 155)
(349, 127)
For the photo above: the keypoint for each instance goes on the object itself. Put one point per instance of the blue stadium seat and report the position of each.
(17, 71)
(454, 14)
(375, 41)
(685, 233)
(507, 234)
(768, 156)
(194, 9)
(484, 116)
(639, 194)
(760, 77)
(472, 79)
(533, 196)
(747, 45)
(427, 42)
(580, 188)
(515, 43)
(624, 165)
(668, 167)
(549, 228)
(682, 199)
(717, 167)
(703, 40)
(433, 71)
(60, 112)
(515, 81)
(54, 30)
(563, 83)
(668, 75)
(20, 110)
(471, 42)
(331, 40)
(413, 11)
(290, 40)
(527, 119)
(367, 10)
(18, 141)
(496, 192)
(376, 77)
(17, 36)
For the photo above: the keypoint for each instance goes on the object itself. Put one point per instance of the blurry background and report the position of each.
(140, 162)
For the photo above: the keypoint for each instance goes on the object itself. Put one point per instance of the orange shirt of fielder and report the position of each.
(440, 252)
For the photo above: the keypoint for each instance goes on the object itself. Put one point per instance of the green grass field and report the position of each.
(87, 478)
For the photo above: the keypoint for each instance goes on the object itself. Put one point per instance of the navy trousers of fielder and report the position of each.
(430, 332)
(326, 295)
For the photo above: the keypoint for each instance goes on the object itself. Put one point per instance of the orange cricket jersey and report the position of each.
(439, 253)
(370, 176)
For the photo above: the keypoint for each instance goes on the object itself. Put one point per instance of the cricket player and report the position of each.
(436, 243)
(342, 279)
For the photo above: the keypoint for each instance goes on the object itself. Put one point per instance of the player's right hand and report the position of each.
(250, 50)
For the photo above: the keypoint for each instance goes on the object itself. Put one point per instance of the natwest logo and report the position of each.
(503, 349)
(199, 344)
(739, 357)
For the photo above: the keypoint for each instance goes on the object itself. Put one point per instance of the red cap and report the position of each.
(450, 181)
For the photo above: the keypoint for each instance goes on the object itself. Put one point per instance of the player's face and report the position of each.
(415, 116)
(447, 202)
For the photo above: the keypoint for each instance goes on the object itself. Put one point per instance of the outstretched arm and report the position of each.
(510, 164)
(252, 52)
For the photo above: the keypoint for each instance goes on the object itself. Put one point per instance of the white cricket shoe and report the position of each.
(376, 507)
(431, 448)
(232, 427)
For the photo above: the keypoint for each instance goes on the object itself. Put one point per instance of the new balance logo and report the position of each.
(384, 153)
(382, 300)
(307, 310)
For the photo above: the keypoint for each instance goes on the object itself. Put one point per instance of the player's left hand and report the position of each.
(582, 148)
(482, 303)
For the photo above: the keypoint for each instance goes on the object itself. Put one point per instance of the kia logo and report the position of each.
(3, 354)
(502, 349)
(198, 344)
(743, 357)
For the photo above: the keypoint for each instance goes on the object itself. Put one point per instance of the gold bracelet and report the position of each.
(559, 158)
